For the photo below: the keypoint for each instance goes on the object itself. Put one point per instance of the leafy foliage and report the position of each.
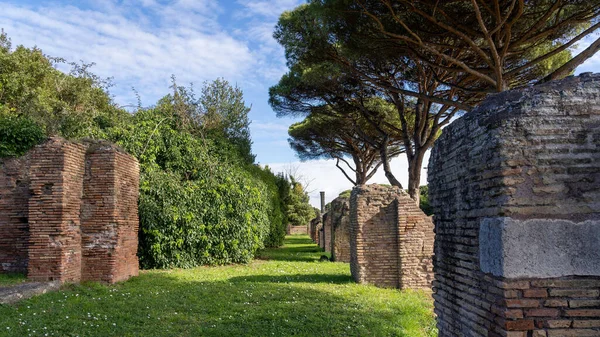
(18, 134)
(202, 198)
(299, 211)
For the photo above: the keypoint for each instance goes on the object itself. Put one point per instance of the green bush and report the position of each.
(18, 134)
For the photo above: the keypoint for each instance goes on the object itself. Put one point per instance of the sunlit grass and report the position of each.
(286, 292)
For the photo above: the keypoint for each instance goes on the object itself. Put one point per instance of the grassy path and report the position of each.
(285, 292)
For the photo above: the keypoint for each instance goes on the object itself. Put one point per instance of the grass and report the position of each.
(10, 279)
(287, 292)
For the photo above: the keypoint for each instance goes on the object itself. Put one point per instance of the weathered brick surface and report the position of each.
(109, 219)
(528, 154)
(72, 211)
(327, 231)
(313, 231)
(391, 239)
(340, 229)
(14, 227)
(56, 186)
(294, 230)
(322, 231)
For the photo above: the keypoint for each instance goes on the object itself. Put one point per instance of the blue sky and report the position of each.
(141, 43)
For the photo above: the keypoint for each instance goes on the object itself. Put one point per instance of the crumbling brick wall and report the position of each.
(314, 233)
(515, 186)
(73, 208)
(340, 230)
(327, 231)
(391, 239)
(14, 210)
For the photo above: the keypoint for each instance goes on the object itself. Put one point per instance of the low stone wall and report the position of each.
(296, 230)
(71, 210)
(340, 231)
(391, 239)
(515, 187)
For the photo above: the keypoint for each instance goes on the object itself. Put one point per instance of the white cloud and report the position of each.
(140, 51)
(323, 175)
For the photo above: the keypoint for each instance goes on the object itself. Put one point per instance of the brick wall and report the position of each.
(72, 209)
(14, 194)
(340, 231)
(314, 234)
(56, 173)
(327, 231)
(391, 240)
(515, 186)
(295, 230)
(109, 221)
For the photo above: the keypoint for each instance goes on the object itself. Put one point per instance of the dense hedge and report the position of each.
(202, 198)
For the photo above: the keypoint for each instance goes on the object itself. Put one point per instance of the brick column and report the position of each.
(515, 186)
(56, 185)
(391, 239)
(340, 234)
(109, 219)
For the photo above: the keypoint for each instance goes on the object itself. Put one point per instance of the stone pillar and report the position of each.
(109, 219)
(391, 239)
(515, 187)
(340, 231)
(56, 187)
(314, 233)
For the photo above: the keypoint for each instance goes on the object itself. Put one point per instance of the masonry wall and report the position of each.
(14, 212)
(313, 232)
(515, 186)
(391, 240)
(327, 231)
(72, 209)
(56, 172)
(340, 230)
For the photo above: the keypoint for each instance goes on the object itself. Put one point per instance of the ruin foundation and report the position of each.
(515, 186)
(68, 213)
(391, 239)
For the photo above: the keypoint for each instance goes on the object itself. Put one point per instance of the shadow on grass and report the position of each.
(298, 278)
(299, 248)
(161, 304)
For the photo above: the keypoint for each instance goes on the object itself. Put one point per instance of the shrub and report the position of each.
(18, 134)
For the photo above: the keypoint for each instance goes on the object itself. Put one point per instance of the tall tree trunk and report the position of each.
(414, 175)
(385, 159)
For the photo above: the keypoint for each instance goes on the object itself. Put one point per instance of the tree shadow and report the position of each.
(297, 248)
(160, 304)
(297, 278)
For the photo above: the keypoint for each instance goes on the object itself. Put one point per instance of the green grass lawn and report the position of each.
(286, 292)
(10, 279)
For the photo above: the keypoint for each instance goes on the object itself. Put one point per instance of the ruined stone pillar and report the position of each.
(391, 239)
(109, 219)
(515, 187)
(340, 231)
(56, 185)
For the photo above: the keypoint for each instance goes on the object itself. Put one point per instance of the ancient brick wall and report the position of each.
(14, 194)
(295, 230)
(313, 232)
(515, 186)
(391, 239)
(327, 231)
(56, 173)
(74, 209)
(340, 231)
